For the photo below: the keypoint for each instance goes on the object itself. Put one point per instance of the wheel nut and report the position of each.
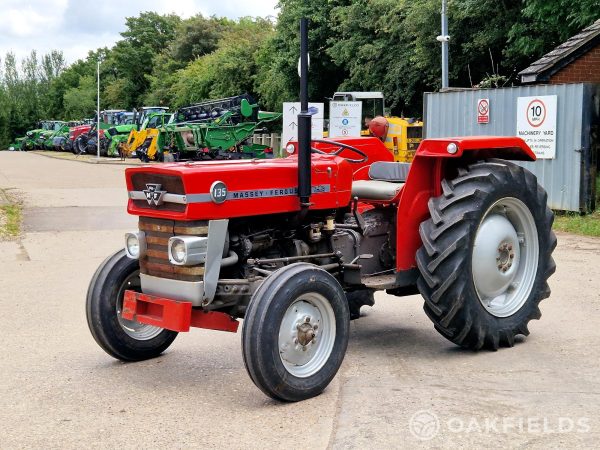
(512, 255)
(307, 319)
(510, 246)
(315, 327)
(499, 266)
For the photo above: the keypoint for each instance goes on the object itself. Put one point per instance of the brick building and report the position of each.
(575, 61)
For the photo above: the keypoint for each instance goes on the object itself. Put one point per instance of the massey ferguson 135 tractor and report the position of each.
(295, 246)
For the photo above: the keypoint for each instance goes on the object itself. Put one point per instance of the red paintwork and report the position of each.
(423, 182)
(173, 315)
(255, 174)
(425, 178)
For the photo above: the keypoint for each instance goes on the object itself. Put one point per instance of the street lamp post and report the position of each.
(444, 38)
(98, 112)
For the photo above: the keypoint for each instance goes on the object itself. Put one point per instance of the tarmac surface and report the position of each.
(402, 385)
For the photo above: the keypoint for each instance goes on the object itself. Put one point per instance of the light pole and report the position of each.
(444, 38)
(98, 111)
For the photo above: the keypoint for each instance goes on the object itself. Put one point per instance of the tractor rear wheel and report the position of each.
(123, 339)
(486, 255)
(296, 332)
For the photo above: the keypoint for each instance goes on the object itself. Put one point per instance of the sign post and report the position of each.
(536, 124)
(345, 119)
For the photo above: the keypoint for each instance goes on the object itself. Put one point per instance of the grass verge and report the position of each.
(588, 225)
(10, 218)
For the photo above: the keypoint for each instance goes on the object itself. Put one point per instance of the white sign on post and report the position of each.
(345, 119)
(290, 122)
(536, 124)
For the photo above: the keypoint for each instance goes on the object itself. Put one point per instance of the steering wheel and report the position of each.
(341, 148)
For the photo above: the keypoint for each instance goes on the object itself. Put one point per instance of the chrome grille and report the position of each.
(156, 260)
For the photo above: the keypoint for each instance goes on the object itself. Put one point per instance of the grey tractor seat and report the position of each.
(386, 180)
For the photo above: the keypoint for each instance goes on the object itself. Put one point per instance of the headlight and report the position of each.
(177, 252)
(135, 244)
(187, 250)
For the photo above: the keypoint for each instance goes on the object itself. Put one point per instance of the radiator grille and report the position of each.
(170, 183)
(156, 260)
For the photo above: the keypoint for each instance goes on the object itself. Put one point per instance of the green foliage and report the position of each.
(81, 100)
(229, 70)
(277, 79)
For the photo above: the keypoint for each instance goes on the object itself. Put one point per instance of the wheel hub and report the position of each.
(306, 335)
(306, 332)
(504, 258)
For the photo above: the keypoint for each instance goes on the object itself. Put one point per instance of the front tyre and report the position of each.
(486, 255)
(123, 339)
(296, 332)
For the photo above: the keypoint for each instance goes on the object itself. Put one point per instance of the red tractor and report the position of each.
(296, 246)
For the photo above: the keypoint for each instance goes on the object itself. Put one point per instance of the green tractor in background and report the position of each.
(31, 140)
(216, 129)
(115, 128)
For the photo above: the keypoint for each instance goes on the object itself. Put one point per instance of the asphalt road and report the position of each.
(401, 382)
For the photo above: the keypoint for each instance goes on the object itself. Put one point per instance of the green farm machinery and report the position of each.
(216, 129)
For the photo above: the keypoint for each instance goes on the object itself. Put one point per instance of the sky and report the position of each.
(77, 26)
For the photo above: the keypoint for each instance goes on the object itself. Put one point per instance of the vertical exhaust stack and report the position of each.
(304, 122)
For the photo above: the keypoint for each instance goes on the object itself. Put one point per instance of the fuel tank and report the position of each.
(226, 189)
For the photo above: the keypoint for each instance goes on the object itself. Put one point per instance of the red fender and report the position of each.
(425, 179)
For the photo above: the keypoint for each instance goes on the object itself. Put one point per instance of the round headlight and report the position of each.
(178, 251)
(133, 245)
(290, 148)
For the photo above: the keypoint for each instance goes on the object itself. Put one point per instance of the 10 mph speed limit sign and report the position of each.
(536, 124)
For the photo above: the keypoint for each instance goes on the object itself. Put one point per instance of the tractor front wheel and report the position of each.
(296, 332)
(486, 255)
(123, 339)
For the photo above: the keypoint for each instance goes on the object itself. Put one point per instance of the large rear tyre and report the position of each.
(486, 255)
(122, 339)
(296, 332)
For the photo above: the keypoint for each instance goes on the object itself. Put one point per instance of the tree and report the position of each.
(81, 100)
(229, 70)
(542, 25)
(277, 78)
(132, 57)
(194, 38)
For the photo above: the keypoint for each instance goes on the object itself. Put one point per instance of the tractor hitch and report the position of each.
(172, 314)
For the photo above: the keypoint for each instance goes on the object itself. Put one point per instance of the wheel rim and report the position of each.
(505, 257)
(134, 329)
(307, 335)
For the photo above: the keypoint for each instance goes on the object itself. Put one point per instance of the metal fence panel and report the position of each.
(454, 113)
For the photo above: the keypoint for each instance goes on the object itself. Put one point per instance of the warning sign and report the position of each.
(345, 118)
(483, 110)
(536, 124)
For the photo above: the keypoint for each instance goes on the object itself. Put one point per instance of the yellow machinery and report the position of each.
(402, 135)
(148, 133)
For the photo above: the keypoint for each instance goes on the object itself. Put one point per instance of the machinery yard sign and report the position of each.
(290, 122)
(536, 124)
(345, 119)
(483, 110)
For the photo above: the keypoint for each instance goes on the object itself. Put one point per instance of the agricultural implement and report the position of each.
(295, 246)
(218, 129)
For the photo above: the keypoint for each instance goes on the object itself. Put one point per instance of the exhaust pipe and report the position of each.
(304, 122)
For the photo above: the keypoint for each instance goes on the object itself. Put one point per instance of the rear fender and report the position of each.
(432, 163)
